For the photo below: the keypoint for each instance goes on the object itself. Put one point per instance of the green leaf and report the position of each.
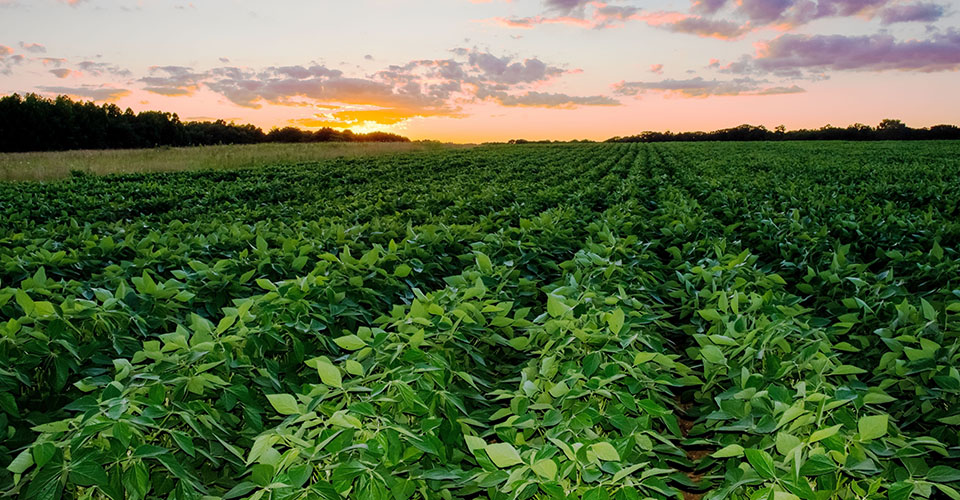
(943, 474)
(21, 463)
(184, 441)
(950, 492)
(762, 462)
(713, 354)
(900, 490)
(350, 342)
(824, 433)
(474, 443)
(503, 455)
(729, 451)
(89, 474)
(847, 370)
(817, 465)
(43, 453)
(483, 263)
(615, 321)
(240, 490)
(556, 307)
(605, 451)
(872, 427)
(285, 404)
(545, 468)
(329, 374)
(402, 271)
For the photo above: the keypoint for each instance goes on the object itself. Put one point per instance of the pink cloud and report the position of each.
(656, 68)
(33, 47)
(878, 52)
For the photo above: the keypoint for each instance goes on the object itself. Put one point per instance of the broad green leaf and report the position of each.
(43, 453)
(545, 468)
(943, 474)
(474, 443)
(350, 342)
(556, 307)
(873, 427)
(329, 374)
(615, 321)
(503, 455)
(402, 271)
(731, 450)
(21, 463)
(483, 263)
(824, 433)
(762, 462)
(285, 404)
(605, 451)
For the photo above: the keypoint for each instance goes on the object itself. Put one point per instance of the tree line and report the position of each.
(888, 129)
(36, 123)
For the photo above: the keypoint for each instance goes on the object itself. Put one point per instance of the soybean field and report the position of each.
(776, 320)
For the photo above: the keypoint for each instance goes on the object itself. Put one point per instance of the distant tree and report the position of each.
(35, 123)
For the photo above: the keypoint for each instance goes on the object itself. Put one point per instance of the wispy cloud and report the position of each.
(700, 87)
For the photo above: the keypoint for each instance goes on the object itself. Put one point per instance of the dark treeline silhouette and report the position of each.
(887, 130)
(35, 123)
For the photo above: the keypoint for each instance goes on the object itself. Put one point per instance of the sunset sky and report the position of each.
(470, 71)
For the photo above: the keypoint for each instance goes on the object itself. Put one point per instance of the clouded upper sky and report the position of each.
(479, 70)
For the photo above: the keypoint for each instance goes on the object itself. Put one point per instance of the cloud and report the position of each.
(8, 60)
(52, 61)
(565, 5)
(502, 70)
(97, 69)
(792, 13)
(708, 28)
(92, 92)
(913, 12)
(699, 87)
(172, 80)
(73, 2)
(419, 88)
(36, 48)
(548, 100)
(656, 68)
(585, 14)
(878, 52)
(708, 6)
(61, 73)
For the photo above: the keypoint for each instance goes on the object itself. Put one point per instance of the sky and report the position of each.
(493, 70)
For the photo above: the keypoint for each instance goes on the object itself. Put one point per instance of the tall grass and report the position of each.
(48, 166)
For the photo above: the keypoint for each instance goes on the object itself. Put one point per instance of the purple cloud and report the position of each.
(35, 48)
(699, 87)
(708, 6)
(177, 80)
(912, 12)
(878, 52)
(549, 100)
